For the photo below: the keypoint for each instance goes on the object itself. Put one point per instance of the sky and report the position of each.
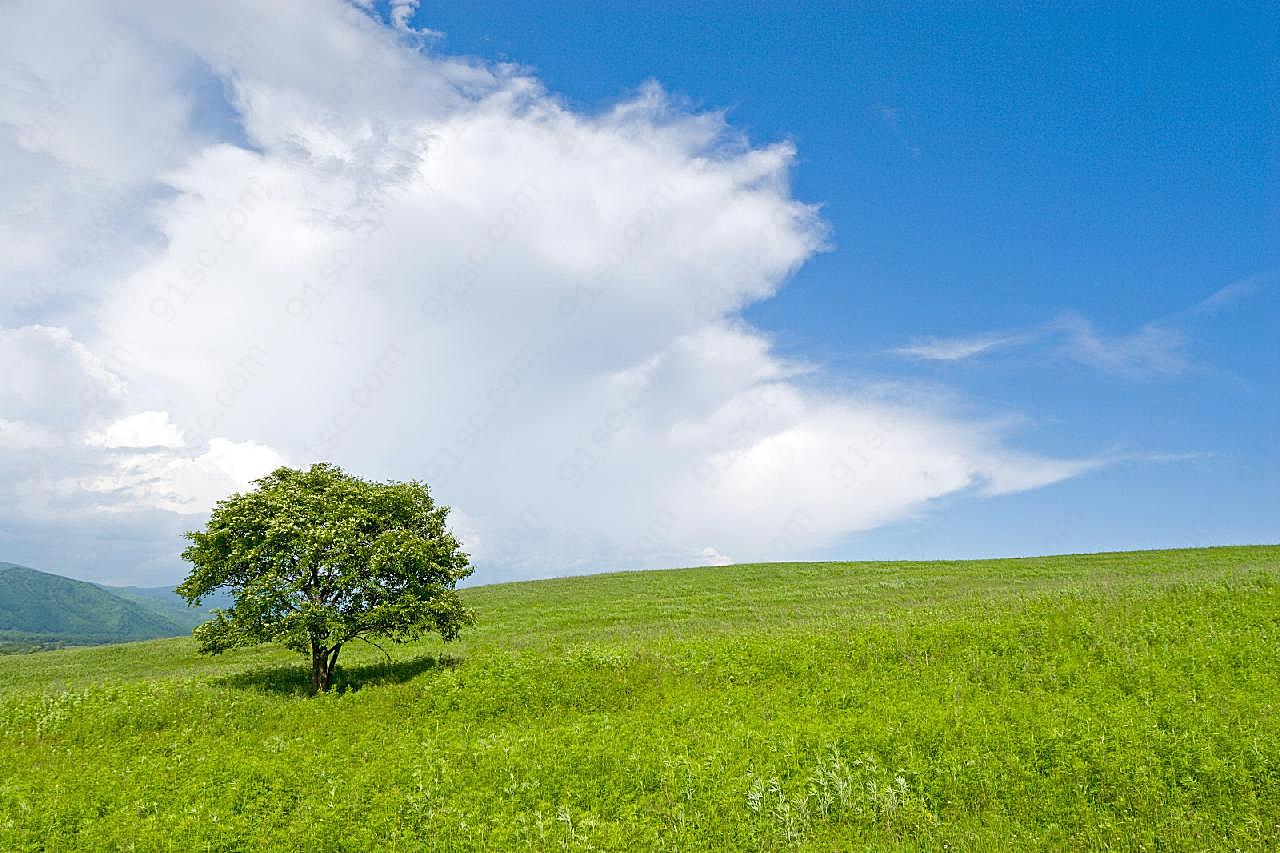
(643, 286)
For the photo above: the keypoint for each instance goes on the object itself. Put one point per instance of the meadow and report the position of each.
(1126, 701)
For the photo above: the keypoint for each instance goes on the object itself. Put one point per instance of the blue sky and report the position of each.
(992, 169)
(643, 286)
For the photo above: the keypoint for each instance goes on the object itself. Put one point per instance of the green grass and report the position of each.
(1122, 701)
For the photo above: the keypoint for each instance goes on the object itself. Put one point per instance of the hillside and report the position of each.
(41, 608)
(1123, 701)
(166, 603)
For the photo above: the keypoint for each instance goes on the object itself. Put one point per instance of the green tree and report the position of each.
(315, 559)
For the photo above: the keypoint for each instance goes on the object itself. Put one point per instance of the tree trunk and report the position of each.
(319, 667)
(332, 667)
(324, 662)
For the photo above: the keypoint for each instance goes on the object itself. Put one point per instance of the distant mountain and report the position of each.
(42, 610)
(165, 601)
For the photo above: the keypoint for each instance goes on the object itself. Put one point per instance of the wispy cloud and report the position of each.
(955, 349)
(891, 118)
(1226, 296)
(1157, 349)
(1152, 351)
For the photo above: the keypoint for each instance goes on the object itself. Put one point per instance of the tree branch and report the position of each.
(372, 643)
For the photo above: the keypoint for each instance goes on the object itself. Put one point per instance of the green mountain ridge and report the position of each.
(165, 602)
(39, 609)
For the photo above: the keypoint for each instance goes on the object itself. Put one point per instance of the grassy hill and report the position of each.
(1122, 701)
(37, 608)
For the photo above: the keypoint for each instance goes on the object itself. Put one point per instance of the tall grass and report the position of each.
(1123, 701)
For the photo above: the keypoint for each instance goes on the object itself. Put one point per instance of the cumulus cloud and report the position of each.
(145, 429)
(343, 247)
(174, 482)
(53, 380)
(76, 462)
(712, 557)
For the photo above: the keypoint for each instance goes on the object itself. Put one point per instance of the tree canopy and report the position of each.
(318, 558)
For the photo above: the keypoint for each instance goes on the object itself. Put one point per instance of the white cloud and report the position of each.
(420, 266)
(53, 380)
(74, 465)
(1154, 350)
(401, 14)
(712, 557)
(173, 482)
(18, 435)
(1232, 293)
(955, 349)
(145, 429)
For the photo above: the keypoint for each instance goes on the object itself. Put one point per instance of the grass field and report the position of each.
(1123, 701)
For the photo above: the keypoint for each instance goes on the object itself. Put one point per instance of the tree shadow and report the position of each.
(295, 679)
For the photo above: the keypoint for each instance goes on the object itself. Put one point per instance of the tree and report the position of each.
(316, 559)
